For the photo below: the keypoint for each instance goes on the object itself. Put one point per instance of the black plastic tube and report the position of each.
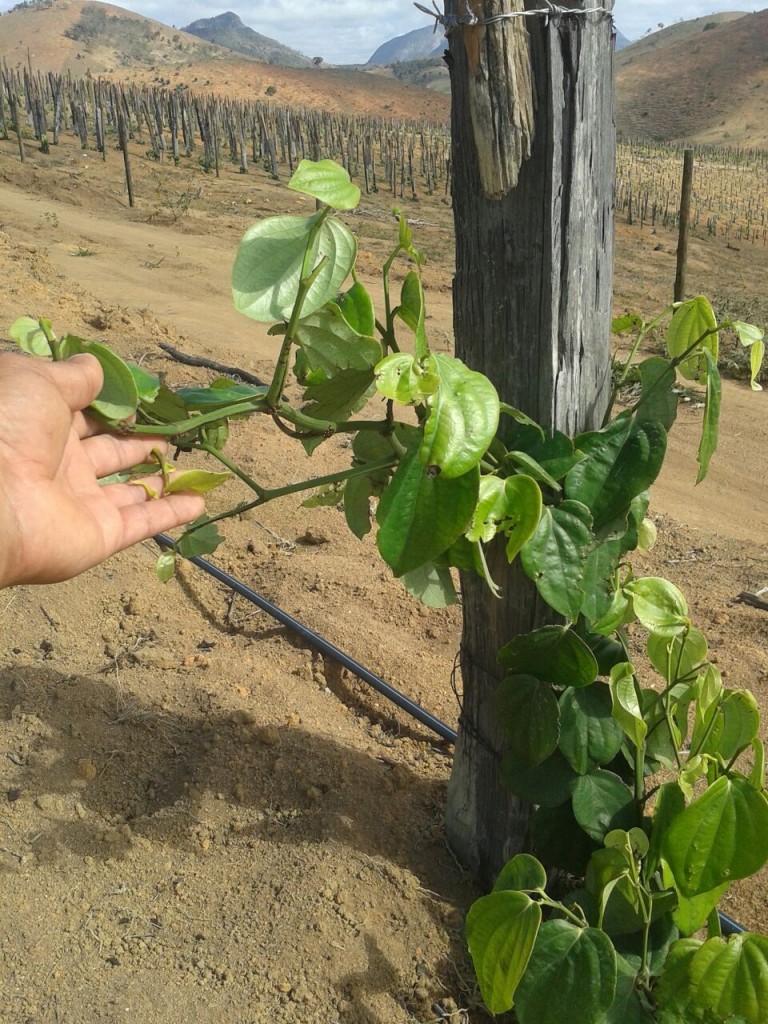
(727, 924)
(318, 643)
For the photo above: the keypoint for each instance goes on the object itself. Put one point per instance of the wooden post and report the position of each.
(685, 215)
(122, 133)
(532, 310)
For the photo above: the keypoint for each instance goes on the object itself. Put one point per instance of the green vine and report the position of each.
(649, 797)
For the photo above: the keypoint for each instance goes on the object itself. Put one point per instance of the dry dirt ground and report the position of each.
(200, 819)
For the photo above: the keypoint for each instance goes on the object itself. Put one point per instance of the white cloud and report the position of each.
(348, 31)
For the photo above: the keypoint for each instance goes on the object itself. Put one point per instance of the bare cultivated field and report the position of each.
(202, 820)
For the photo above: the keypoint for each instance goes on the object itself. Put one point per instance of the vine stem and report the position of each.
(266, 494)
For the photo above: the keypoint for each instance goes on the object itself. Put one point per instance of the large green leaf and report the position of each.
(626, 706)
(548, 784)
(690, 323)
(331, 345)
(30, 336)
(554, 654)
(412, 311)
(599, 585)
(622, 461)
(327, 181)
(555, 453)
(356, 306)
(602, 802)
(571, 976)
(721, 836)
(335, 398)
(736, 725)
(717, 980)
(421, 513)
(463, 417)
(555, 556)
(119, 395)
(522, 872)
(659, 605)
(589, 735)
(431, 584)
(501, 930)
(558, 841)
(529, 717)
(269, 261)
(658, 401)
(626, 1007)
(711, 426)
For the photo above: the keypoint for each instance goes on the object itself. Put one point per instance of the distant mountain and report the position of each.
(229, 31)
(704, 80)
(621, 41)
(422, 42)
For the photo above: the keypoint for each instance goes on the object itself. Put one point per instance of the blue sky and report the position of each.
(348, 31)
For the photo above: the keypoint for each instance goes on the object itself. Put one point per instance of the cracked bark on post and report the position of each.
(500, 93)
(532, 310)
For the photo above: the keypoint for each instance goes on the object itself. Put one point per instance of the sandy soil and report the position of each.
(201, 819)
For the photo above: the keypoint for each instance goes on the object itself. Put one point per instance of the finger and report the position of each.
(122, 495)
(150, 517)
(79, 379)
(108, 453)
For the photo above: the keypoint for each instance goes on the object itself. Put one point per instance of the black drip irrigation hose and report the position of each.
(318, 643)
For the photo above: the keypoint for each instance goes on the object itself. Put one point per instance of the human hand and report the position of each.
(56, 520)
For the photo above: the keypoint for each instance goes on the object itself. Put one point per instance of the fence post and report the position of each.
(685, 215)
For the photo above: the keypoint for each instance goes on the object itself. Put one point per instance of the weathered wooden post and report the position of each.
(685, 216)
(533, 184)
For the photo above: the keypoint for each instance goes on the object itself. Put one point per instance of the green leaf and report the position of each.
(199, 481)
(269, 261)
(532, 468)
(555, 556)
(522, 872)
(548, 784)
(718, 980)
(529, 717)
(721, 836)
(711, 425)
(602, 802)
(689, 324)
(357, 506)
(147, 385)
(678, 656)
(30, 337)
(589, 735)
(404, 379)
(554, 654)
(332, 346)
(627, 322)
(431, 584)
(599, 574)
(501, 930)
(218, 395)
(558, 841)
(626, 706)
(621, 462)
(692, 912)
(571, 976)
(554, 453)
(420, 514)
(199, 540)
(659, 605)
(463, 417)
(756, 356)
(412, 312)
(512, 506)
(356, 306)
(626, 1007)
(336, 398)
(327, 497)
(737, 722)
(748, 334)
(657, 399)
(165, 566)
(119, 396)
(327, 181)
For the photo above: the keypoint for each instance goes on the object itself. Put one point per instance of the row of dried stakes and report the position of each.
(405, 157)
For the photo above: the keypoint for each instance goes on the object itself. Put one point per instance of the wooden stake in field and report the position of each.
(685, 215)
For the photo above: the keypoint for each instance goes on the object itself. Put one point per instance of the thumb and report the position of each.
(79, 380)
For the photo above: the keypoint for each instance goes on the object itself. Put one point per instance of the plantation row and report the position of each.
(405, 158)
(729, 196)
